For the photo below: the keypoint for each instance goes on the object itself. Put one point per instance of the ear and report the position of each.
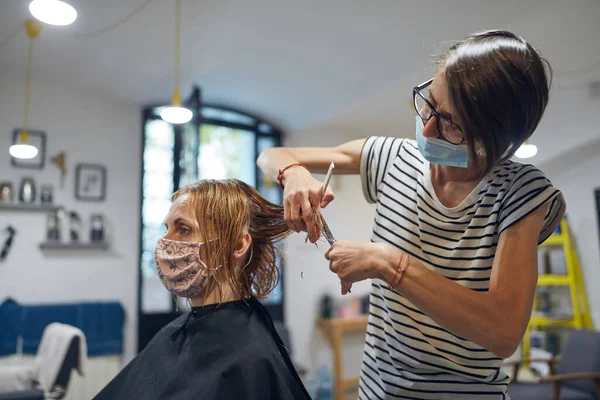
(243, 246)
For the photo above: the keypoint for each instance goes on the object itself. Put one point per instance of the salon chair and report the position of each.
(26, 375)
(576, 376)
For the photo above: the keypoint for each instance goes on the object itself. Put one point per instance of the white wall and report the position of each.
(90, 130)
(308, 277)
(577, 175)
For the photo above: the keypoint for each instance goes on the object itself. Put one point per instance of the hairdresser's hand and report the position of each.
(353, 261)
(302, 198)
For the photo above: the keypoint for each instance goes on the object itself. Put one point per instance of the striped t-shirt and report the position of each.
(407, 355)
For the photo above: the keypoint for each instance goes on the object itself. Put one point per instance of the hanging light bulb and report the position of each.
(526, 150)
(22, 149)
(53, 12)
(176, 113)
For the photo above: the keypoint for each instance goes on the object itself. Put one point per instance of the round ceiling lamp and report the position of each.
(22, 148)
(53, 12)
(176, 113)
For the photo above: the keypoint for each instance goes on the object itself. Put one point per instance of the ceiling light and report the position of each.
(526, 151)
(23, 151)
(53, 12)
(176, 113)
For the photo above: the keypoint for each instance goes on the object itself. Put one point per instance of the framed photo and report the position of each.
(90, 182)
(37, 139)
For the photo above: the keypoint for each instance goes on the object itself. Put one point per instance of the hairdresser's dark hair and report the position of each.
(498, 85)
(225, 210)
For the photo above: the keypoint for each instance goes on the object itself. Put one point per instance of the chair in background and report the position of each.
(575, 376)
(59, 353)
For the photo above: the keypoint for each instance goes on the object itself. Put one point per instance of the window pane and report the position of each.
(226, 153)
(158, 185)
(227, 116)
(267, 188)
(155, 211)
(265, 128)
(150, 236)
(158, 160)
(159, 134)
(187, 157)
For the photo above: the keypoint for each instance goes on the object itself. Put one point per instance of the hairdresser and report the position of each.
(453, 253)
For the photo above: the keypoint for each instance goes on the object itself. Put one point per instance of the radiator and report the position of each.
(98, 372)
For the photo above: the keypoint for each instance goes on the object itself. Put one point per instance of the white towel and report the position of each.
(16, 377)
(52, 351)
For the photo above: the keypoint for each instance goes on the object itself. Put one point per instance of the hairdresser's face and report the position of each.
(180, 222)
(437, 95)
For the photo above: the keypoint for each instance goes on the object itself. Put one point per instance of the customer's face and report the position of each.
(180, 222)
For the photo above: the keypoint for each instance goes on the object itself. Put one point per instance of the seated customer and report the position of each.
(219, 252)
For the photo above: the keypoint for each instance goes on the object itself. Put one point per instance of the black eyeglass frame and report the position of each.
(438, 117)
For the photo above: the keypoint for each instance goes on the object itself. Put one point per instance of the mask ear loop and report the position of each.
(250, 259)
(202, 262)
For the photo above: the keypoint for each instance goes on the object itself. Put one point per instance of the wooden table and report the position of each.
(334, 329)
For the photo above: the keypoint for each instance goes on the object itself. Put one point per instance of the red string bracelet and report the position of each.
(391, 286)
(281, 171)
(403, 264)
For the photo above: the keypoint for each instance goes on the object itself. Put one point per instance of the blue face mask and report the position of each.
(439, 151)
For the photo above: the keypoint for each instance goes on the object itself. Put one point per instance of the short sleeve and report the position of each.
(377, 156)
(530, 190)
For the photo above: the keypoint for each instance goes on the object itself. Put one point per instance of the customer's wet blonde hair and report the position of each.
(223, 212)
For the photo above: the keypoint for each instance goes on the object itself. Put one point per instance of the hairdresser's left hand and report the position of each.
(353, 261)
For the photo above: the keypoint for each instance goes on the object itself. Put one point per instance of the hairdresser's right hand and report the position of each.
(302, 198)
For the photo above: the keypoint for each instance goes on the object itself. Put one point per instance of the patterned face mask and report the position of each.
(180, 267)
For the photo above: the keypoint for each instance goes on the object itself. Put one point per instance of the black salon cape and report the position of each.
(221, 351)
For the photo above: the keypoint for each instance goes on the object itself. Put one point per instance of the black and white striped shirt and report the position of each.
(407, 355)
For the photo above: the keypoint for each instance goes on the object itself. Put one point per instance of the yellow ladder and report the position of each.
(581, 317)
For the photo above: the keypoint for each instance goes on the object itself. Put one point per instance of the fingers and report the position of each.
(297, 205)
(327, 198)
(346, 287)
(329, 250)
(308, 216)
(287, 214)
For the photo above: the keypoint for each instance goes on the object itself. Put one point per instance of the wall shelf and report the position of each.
(28, 207)
(73, 246)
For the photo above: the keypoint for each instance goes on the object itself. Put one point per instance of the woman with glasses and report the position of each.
(453, 255)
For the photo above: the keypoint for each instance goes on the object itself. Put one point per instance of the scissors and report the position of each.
(325, 228)
(320, 220)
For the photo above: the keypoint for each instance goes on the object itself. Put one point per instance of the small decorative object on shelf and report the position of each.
(46, 196)
(53, 227)
(97, 226)
(6, 192)
(74, 226)
(27, 191)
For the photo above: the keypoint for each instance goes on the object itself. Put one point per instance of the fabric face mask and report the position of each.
(180, 267)
(439, 151)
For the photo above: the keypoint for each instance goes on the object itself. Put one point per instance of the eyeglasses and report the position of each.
(447, 129)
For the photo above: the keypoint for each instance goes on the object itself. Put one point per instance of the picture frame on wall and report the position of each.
(37, 139)
(90, 182)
